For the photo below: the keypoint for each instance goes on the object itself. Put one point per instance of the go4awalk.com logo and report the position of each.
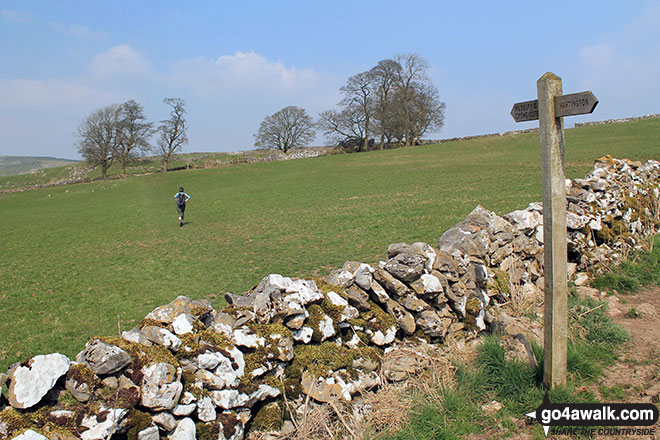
(593, 419)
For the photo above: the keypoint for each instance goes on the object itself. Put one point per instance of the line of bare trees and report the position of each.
(121, 132)
(394, 101)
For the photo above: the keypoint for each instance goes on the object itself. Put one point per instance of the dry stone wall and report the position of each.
(189, 371)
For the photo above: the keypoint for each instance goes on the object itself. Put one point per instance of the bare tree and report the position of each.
(344, 125)
(384, 76)
(172, 132)
(134, 132)
(99, 137)
(286, 129)
(359, 98)
(411, 75)
(429, 112)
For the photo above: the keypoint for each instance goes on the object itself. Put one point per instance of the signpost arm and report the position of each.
(554, 232)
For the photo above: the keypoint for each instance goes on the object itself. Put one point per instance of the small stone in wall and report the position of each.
(406, 267)
(30, 435)
(103, 424)
(160, 387)
(103, 358)
(185, 430)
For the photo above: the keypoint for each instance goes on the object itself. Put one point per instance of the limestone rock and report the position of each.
(161, 336)
(390, 283)
(134, 335)
(363, 276)
(348, 311)
(245, 337)
(229, 399)
(379, 294)
(181, 305)
(405, 359)
(165, 420)
(427, 284)
(403, 318)
(262, 393)
(184, 410)
(103, 424)
(303, 335)
(431, 324)
(81, 391)
(183, 324)
(150, 433)
(526, 220)
(206, 409)
(339, 277)
(443, 262)
(412, 303)
(160, 387)
(103, 358)
(29, 384)
(30, 435)
(321, 389)
(185, 430)
(379, 338)
(358, 298)
(406, 267)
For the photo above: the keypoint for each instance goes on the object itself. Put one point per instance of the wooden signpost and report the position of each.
(549, 109)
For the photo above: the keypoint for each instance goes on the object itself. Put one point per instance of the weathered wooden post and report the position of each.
(549, 109)
(551, 128)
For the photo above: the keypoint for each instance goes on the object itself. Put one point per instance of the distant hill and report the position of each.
(11, 165)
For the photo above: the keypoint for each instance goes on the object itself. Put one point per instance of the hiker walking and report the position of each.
(181, 198)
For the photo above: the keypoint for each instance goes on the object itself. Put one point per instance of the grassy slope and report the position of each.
(10, 165)
(75, 257)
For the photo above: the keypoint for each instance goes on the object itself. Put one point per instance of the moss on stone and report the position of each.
(15, 421)
(500, 283)
(136, 421)
(141, 354)
(318, 360)
(473, 306)
(327, 287)
(81, 373)
(267, 331)
(207, 431)
(219, 340)
(267, 418)
(148, 321)
(378, 319)
(332, 310)
(316, 314)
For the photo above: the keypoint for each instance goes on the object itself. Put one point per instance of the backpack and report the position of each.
(181, 199)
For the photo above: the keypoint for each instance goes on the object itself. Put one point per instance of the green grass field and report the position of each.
(75, 257)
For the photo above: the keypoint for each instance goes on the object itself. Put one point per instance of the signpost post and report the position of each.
(549, 109)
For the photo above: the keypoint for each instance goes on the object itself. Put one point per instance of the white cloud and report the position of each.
(247, 70)
(118, 61)
(15, 16)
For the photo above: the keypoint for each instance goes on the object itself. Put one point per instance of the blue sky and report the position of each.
(236, 62)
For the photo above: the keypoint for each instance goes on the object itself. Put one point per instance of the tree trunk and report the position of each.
(164, 165)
